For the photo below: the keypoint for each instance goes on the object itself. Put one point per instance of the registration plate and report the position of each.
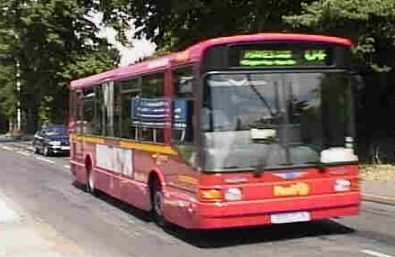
(290, 217)
(65, 147)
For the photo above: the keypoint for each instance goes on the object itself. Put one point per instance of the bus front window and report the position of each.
(273, 120)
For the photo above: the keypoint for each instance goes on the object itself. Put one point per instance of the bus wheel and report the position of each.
(157, 204)
(90, 186)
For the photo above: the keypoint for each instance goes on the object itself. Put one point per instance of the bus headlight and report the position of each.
(232, 194)
(342, 185)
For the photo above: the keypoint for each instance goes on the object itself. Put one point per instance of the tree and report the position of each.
(173, 24)
(370, 24)
(54, 42)
(7, 94)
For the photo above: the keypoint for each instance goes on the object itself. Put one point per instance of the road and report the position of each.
(101, 226)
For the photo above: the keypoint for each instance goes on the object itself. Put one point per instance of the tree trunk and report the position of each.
(31, 119)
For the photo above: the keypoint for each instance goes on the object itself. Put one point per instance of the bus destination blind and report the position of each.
(283, 57)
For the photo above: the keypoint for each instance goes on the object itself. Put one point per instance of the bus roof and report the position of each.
(195, 52)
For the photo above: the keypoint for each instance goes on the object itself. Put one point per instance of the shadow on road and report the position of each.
(137, 213)
(219, 238)
(261, 234)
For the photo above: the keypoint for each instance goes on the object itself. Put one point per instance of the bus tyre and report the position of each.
(157, 204)
(90, 185)
(36, 150)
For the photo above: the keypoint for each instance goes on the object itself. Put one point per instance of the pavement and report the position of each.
(25, 236)
(43, 214)
(379, 191)
(22, 235)
(9, 138)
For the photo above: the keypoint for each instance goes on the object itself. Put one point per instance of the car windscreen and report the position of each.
(55, 131)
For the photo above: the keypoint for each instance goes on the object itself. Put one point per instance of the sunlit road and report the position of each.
(42, 187)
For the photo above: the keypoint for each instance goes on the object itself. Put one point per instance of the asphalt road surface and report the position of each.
(102, 226)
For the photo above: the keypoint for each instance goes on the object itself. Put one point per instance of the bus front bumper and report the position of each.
(270, 211)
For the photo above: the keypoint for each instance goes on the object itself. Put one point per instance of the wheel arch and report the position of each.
(88, 164)
(154, 175)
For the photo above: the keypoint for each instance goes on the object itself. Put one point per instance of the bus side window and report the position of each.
(88, 111)
(152, 105)
(75, 105)
(183, 106)
(78, 111)
(99, 112)
(183, 114)
(125, 92)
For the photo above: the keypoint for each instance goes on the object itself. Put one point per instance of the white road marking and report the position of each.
(44, 159)
(7, 148)
(67, 166)
(24, 153)
(374, 253)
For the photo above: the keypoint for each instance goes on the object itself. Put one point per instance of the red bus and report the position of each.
(235, 131)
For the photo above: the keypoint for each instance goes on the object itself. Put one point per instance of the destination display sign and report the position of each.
(277, 55)
(284, 57)
(289, 55)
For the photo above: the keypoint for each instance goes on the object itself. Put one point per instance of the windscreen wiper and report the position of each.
(259, 95)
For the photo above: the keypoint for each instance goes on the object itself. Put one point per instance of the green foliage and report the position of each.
(7, 94)
(54, 42)
(45, 110)
(370, 23)
(173, 24)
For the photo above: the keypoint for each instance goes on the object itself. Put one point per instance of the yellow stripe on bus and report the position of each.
(93, 140)
(148, 147)
(187, 179)
(88, 139)
(162, 149)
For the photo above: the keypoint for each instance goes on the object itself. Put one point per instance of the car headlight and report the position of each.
(54, 143)
(233, 194)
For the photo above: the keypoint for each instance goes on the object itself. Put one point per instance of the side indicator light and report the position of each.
(355, 186)
(210, 195)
